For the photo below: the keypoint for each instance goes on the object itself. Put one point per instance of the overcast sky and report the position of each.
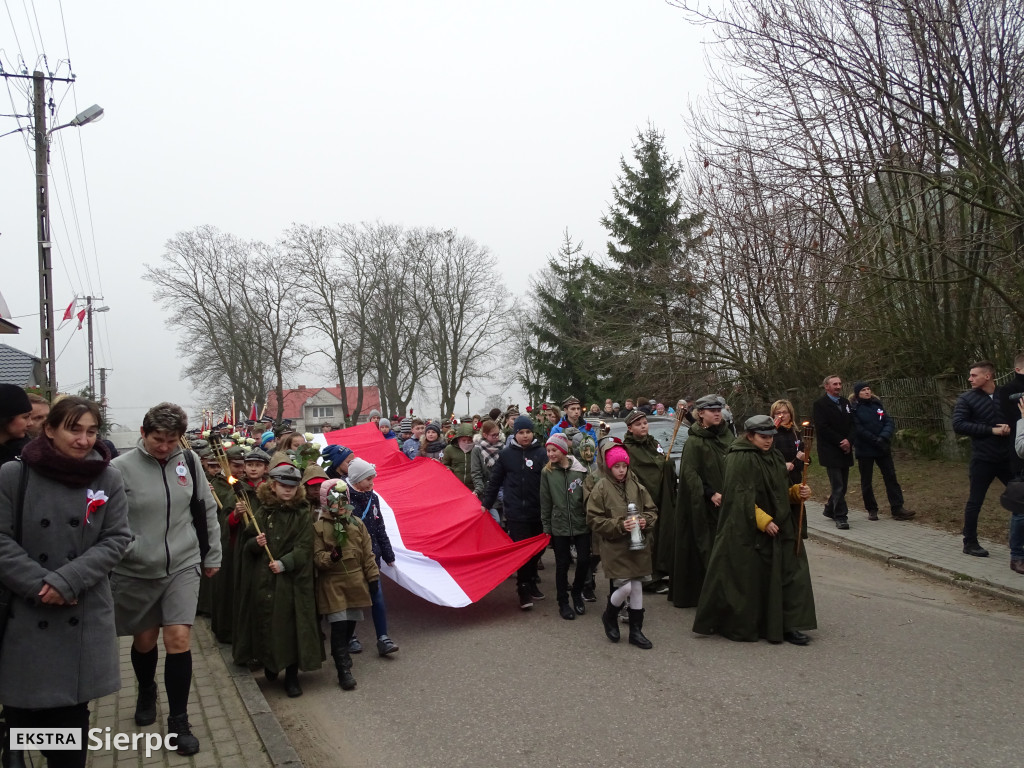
(503, 121)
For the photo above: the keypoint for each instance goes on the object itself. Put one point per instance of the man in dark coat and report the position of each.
(1011, 412)
(977, 414)
(758, 582)
(833, 424)
(517, 474)
(873, 429)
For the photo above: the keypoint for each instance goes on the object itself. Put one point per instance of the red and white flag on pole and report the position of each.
(70, 310)
(81, 317)
(447, 549)
(253, 416)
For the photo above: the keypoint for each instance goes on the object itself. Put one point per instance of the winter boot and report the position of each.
(291, 681)
(187, 743)
(611, 624)
(343, 663)
(145, 705)
(636, 624)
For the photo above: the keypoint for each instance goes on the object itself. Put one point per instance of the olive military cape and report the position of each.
(277, 624)
(756, 585)
(222, 585)
(658, 476)
(701, 468)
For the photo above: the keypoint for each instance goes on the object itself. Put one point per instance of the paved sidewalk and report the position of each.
(918, 547)
(226, 709)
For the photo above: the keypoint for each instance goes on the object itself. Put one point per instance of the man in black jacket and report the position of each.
(977, 414)
(1010, 410)
(833, 426)
(873, 429)
(517, 474)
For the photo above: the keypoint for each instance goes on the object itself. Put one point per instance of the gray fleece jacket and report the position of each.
(164, 541)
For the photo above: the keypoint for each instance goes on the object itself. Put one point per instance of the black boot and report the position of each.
(187, 743)
(636, 624)
(145, 705)
(291, 681)
(610, 620)
(343, 663)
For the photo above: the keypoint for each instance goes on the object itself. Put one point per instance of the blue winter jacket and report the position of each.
(873, 428)
(366, 506)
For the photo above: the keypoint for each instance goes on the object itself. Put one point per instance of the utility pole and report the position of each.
(43, 237)
(103, 397)
(88, 316)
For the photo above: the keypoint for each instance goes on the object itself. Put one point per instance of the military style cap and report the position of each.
(709, 403)
(570, 401)
(235, 452)
(205, 454)
(762, 425)
(258, 454)
(286, 474)
(635, 416)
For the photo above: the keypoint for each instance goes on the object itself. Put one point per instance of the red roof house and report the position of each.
(318, 409)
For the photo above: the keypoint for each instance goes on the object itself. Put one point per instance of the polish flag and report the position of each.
(448, 550)
(253, 416)
(70, 310)
(81, 318)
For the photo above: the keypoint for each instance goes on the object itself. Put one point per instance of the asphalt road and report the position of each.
(901, 672)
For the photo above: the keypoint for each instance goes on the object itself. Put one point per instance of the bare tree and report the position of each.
(463, 308)
(200, 283)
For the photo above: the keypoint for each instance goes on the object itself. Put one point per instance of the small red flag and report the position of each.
(71, 309)
(252, 414)
(81, 317)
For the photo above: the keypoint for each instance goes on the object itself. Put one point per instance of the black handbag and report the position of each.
(6, 595)
(198, 509)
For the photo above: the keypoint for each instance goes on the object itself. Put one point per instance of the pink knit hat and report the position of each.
(561, 442)
(615, 455)
(325, 488)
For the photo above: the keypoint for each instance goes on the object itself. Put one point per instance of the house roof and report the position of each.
(295, 399)
(17, 367)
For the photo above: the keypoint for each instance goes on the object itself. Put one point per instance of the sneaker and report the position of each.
(842, 524)
(588, 595)
(525, 601)
(903, 514)
(873, 514)
(354, 646)
(179, 725)
(145, 705)
(1017, 566)
(974, 548)
(386, 646)
(535, 593)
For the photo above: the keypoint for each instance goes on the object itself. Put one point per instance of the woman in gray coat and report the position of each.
(60, 647)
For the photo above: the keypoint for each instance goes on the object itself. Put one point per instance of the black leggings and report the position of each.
(76, 716)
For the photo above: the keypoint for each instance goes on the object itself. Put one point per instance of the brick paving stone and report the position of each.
(929, 546)
(217, 713)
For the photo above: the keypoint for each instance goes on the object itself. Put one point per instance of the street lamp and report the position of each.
(467, 402)
(42, 140)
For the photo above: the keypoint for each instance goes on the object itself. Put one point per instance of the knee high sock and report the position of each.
(636, 595)
(144, 665)
(177, 680)
(619, 595)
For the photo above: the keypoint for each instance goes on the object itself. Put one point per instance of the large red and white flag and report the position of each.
(69, 312)
(447, 549)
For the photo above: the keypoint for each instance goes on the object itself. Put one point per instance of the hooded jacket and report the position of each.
(562, 511)
(873, 428)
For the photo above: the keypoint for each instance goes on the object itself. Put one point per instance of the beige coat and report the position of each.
(342, 584)
(606, 513)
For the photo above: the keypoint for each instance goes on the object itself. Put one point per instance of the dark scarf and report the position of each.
(434, 448)
(51, 463)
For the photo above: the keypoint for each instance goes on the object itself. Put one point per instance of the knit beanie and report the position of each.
(615, 455)
(336, 454)
(373, 413)
(434, 425)
(13, 401)
(560, 441)
(405, 425)
(858, 386)
(325, 488)
(522, 422)
(266, 437)
(359, 470)
(385, 423)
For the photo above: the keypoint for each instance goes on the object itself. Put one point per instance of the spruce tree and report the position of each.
(565, 355)
(649, 311)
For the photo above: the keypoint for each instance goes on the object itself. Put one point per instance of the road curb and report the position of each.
(968, 584)
(280, 750)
